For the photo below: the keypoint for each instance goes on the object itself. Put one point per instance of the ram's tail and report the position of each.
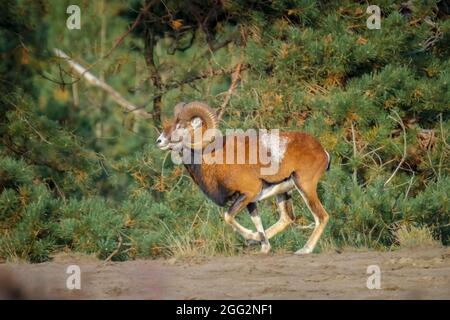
(329, 161)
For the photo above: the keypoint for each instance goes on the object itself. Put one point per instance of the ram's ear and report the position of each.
(196, 123)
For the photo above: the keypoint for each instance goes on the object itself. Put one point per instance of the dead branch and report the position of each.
(234, 79)
(116, 251)
(93, 80)
(399, 121)
(355, 152)
(204, 76)
(136, 22)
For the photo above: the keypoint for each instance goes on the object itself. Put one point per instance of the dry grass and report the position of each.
(414, 237)
(204, 238)
(328, 245)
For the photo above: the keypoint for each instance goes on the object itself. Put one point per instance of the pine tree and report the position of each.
(77, 173)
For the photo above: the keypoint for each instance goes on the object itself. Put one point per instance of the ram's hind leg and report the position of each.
(256, 218)
(237, 206)
(308, 191)
(287, 215)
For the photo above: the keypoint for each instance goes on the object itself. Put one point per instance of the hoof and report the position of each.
(265, 248)
(303, 251)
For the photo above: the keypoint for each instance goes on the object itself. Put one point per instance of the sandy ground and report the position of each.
(405, 274)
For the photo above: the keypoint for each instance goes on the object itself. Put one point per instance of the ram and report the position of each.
(300, 159)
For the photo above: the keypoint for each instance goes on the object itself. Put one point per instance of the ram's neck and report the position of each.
(204, 177)
(195, 171)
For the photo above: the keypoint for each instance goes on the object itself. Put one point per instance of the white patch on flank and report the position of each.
(275, 144)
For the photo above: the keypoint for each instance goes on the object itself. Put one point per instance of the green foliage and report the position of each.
(367, 216)
(76, 173)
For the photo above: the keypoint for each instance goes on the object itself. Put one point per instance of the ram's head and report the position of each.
(188, 126)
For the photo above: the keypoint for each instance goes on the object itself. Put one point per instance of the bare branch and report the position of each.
(176, 84)
(399, 121)
(234, 79)
(136, 22)
(355, 153)
(93, 80)
(116, 251)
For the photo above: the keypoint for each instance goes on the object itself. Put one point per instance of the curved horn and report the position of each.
(204, 112)
(178, 108)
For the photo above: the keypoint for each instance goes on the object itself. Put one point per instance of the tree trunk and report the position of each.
(149, 40)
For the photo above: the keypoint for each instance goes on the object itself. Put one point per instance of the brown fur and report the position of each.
(304, 162)
(304, 158)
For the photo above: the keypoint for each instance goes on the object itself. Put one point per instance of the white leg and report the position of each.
(286, 210)
(318, 228)
(246, 233)
(237, 205)
(265, 245)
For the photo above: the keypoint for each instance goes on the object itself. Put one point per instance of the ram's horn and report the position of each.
(178, 108)
(204, 112)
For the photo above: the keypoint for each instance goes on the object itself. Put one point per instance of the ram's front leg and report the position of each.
(240, 203)
(256, 218)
